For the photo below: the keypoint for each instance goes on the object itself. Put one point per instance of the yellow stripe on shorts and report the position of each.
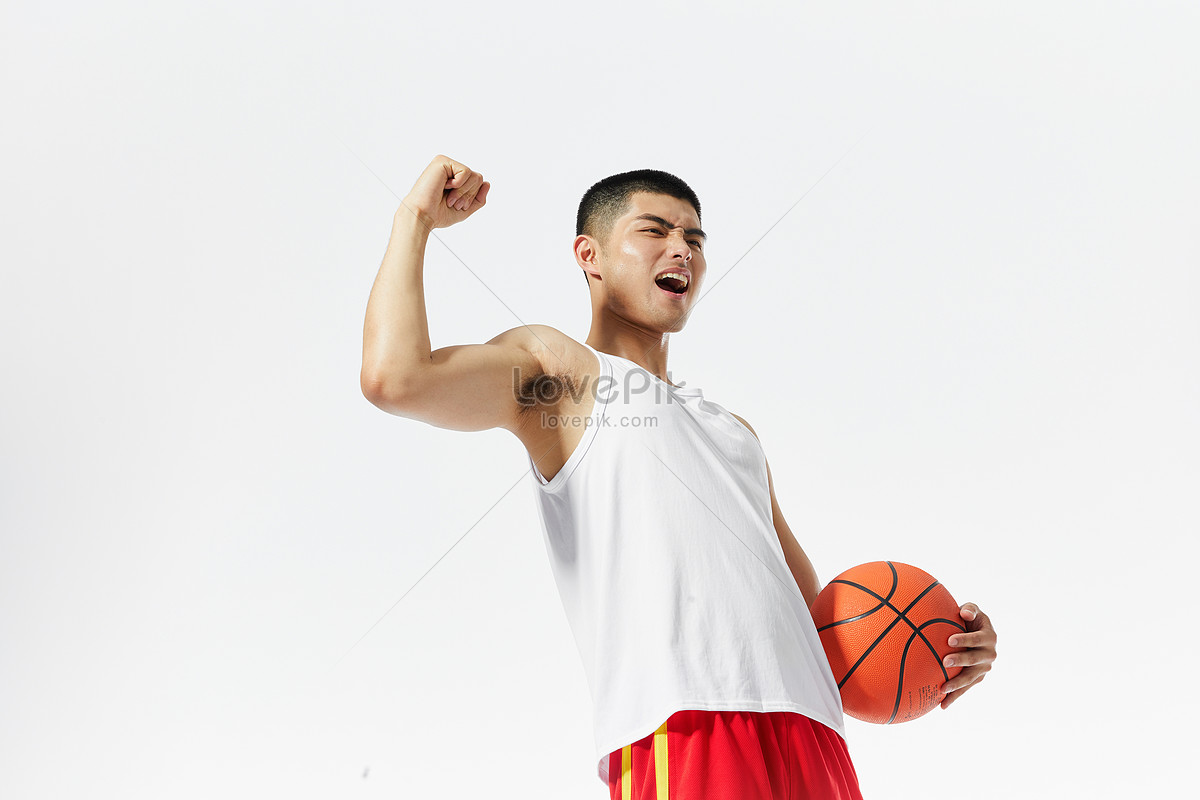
(660, 763)
(627, 772)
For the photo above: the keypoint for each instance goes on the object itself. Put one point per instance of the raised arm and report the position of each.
(462, 387)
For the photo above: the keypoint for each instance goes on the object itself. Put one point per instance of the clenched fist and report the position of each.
(447, 192)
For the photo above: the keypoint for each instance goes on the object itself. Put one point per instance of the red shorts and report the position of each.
(735, 755)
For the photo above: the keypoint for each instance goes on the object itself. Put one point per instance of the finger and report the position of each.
(969, 658)
(455, 171)
(480, 199)
(480, 194)
(955, 686)
(960, 684)
(452, 181)
(982, 626)
(456, 175)
(472, 192)
(461, 197)
(950, 698)
(973, 639)
(456, 188)
(968, 611)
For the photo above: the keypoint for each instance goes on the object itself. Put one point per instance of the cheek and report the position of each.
(633, 250)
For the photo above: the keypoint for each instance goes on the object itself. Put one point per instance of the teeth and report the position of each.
(678, 275)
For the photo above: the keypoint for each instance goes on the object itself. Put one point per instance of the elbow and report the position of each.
(391, 393)
(373, 387)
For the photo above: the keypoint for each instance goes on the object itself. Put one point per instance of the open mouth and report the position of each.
(673, 282)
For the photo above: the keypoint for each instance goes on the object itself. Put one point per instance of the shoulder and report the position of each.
(529, 337)
(542, 341)
(556, 352)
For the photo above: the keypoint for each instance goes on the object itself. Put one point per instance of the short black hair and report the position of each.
(608, 199)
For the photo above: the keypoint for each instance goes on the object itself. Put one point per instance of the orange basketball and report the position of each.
(884, 626)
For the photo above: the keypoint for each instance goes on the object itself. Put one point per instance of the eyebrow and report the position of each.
(669, 226)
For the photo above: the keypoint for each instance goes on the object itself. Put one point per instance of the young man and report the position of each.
(686, 591)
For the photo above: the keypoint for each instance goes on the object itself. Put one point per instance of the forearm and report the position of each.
(396, 330)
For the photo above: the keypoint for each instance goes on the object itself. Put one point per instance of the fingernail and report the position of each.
(949, 661)
(954, 641)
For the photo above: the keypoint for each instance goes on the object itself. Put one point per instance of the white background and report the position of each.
(973, 347)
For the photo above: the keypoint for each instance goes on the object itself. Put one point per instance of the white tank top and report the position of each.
(669, 610)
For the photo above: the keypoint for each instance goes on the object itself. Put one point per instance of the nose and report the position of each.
(679, 246)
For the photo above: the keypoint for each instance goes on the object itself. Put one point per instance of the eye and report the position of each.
(694, 242)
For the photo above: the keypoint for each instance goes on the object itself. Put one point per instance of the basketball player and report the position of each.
(686, 592)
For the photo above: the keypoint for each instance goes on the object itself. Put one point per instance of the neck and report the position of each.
(647, 350)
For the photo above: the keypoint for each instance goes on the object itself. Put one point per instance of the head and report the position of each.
(630, 231)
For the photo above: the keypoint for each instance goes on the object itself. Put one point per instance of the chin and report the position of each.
(677, 326)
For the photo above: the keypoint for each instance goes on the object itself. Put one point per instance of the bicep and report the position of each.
(469, 387)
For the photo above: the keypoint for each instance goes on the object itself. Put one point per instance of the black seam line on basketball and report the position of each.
(904, 658)
(851, 619)
(885, 601)
(863, 657)
(900, 681)
(900, 615)
(882, 601)
(916, 600)
(929, 644)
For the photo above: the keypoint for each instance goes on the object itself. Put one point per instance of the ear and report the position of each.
(587, 255)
